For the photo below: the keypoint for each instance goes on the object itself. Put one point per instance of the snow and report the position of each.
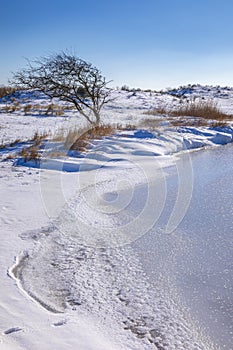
(70, 275)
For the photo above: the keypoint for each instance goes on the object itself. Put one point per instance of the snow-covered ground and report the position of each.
(70, 275)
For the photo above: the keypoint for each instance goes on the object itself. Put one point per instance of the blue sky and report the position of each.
(148, 44)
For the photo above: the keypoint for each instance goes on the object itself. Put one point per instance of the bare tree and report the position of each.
(70, 79)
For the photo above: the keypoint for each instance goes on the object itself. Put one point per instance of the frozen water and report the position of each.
(195, 262)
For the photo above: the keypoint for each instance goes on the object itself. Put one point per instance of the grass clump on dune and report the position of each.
(194, 112)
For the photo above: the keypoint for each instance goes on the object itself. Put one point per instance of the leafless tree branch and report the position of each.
(70, 79)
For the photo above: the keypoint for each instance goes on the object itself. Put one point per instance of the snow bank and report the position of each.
(140, 143)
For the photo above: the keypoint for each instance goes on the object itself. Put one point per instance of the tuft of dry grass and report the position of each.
(188, 121)
(12, 144)
(6, 90)
(79, 138)
(96, 132)
(33, 152)
(198, 108)
(196, 112)
(201, 109)
(27, 108)
(193, 122)
(51, 109)
(54, 109)
(151, 123)
(10, 157)
(37, 138)
(11, 108)
(158, 111)
(30, 153)
(128, 126)
(68, 137)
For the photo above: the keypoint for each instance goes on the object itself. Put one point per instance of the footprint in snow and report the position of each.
(12, 330)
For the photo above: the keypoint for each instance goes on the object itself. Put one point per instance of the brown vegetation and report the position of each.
(51, 109)
(202, 109)
(158, 111)
(194, 108)
(6, 90)
(30, 153)
(96, 132)
(37, 138)
(196, 113)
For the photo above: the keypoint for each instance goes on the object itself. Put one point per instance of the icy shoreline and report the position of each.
(99, 288)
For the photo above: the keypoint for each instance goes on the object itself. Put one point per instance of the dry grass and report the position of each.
(33, 152)
(193, 122)
(50, 109)
(196, 113)
(201, 109)
(68, 137)
(151, 123)
(83, 140)
(37, 138)
(158, 111)
(154, 124)
(80, 138)
(54, 109)
(6, 90)
(30, 153)
(9, 157)
(12, 144)
(27, 109)
(220, 124)
(194, 108)
(12, 107)
(128, 126)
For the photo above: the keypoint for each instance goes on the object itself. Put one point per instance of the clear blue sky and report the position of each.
(146, 43)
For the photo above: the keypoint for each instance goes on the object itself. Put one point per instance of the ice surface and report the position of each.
(195, 262)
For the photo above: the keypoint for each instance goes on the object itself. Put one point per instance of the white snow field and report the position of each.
(126, 246)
